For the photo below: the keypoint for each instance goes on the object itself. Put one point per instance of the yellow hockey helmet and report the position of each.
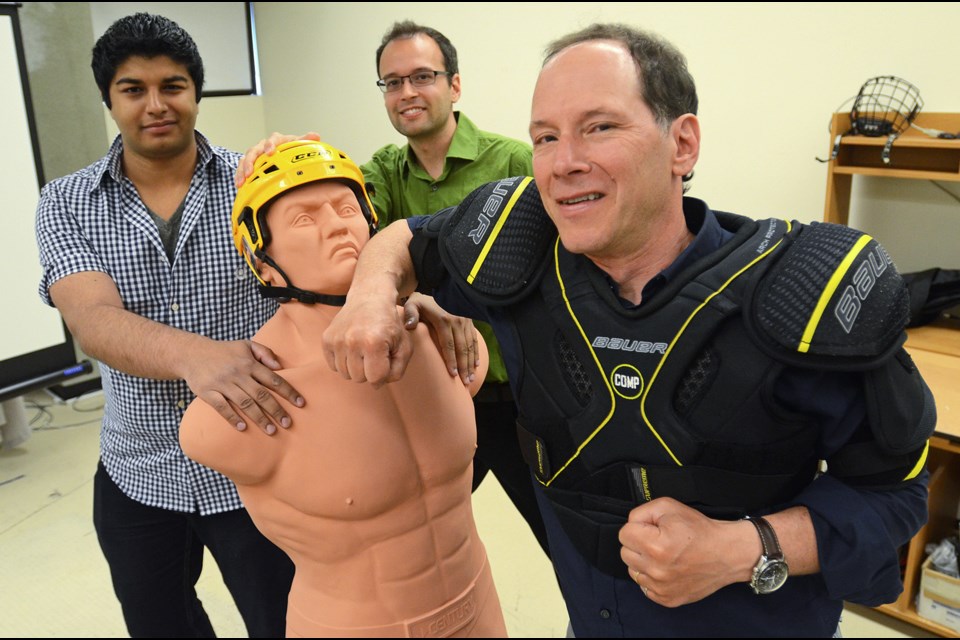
(293, 164)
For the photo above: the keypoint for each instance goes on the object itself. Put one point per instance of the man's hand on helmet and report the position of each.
(268, 146)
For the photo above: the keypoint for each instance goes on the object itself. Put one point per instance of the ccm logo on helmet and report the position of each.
(491, 208)
(864, 278)
(306, 155)
(627, 381)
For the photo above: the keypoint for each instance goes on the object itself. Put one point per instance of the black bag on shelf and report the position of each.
(931, 293)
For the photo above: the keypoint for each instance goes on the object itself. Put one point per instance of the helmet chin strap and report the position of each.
(286, 294)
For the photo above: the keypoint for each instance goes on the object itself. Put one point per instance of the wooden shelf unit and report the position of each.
(934, 348)
(936, 351)
(914, 155)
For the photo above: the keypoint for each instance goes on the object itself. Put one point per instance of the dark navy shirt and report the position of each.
(859, 532)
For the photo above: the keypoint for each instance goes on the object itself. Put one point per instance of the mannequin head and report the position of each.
(316, 232)
(292, 167)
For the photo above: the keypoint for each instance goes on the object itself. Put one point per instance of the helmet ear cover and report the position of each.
(292, 165)
(251, 238)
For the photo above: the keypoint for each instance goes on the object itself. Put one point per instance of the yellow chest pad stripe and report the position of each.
(649, 386)
(828, 292)
(502, 218)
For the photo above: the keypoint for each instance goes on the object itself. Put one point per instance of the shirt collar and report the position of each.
(708, 237)
(112, 164)
(466, 139)
(465, 144)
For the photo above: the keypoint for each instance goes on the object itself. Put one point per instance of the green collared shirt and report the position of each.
(401, 188)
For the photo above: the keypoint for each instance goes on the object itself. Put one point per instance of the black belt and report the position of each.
(494, 392)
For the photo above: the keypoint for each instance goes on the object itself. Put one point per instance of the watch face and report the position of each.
(771, 576)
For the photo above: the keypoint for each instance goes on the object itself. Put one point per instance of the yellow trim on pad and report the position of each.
(917, 468)
(828, 292)
(496, 229)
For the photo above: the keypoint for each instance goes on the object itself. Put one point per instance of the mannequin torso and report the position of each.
(368, 492)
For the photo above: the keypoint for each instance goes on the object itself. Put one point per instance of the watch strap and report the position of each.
(768, 538)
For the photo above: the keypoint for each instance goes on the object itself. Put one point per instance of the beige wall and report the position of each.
(769, 76)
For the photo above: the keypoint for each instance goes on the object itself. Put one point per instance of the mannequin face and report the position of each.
(317, 232)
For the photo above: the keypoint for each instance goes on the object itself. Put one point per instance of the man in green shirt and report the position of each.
(445, 158)
(403, 188)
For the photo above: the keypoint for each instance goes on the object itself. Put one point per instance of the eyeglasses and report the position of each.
(417, 79)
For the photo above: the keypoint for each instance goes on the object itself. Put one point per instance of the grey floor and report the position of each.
(54, 581)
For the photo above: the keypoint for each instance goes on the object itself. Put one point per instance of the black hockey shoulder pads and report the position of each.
(902, 416)
(831, 300)
(495, 243)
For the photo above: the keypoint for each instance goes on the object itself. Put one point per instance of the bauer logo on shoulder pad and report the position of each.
(498, 240)
(491, 207)
(833, 297)
(865, 276)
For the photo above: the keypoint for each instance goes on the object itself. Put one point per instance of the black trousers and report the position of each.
(498, 451)
(156, 555)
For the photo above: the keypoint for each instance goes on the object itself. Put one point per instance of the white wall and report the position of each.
(768, 75)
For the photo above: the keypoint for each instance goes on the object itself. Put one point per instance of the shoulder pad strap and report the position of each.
(496, 241)
(833, 299)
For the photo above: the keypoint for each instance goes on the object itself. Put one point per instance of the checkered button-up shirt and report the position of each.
(94, 220)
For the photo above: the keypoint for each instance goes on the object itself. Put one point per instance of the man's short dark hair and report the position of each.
(146, 35)
(409, 29)
(665, 82)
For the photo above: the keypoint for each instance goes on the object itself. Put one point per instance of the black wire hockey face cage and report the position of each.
(885, 106)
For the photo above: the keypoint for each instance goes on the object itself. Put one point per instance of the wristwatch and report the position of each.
(771, 570)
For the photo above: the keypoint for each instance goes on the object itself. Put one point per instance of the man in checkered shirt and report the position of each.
(137, 257)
